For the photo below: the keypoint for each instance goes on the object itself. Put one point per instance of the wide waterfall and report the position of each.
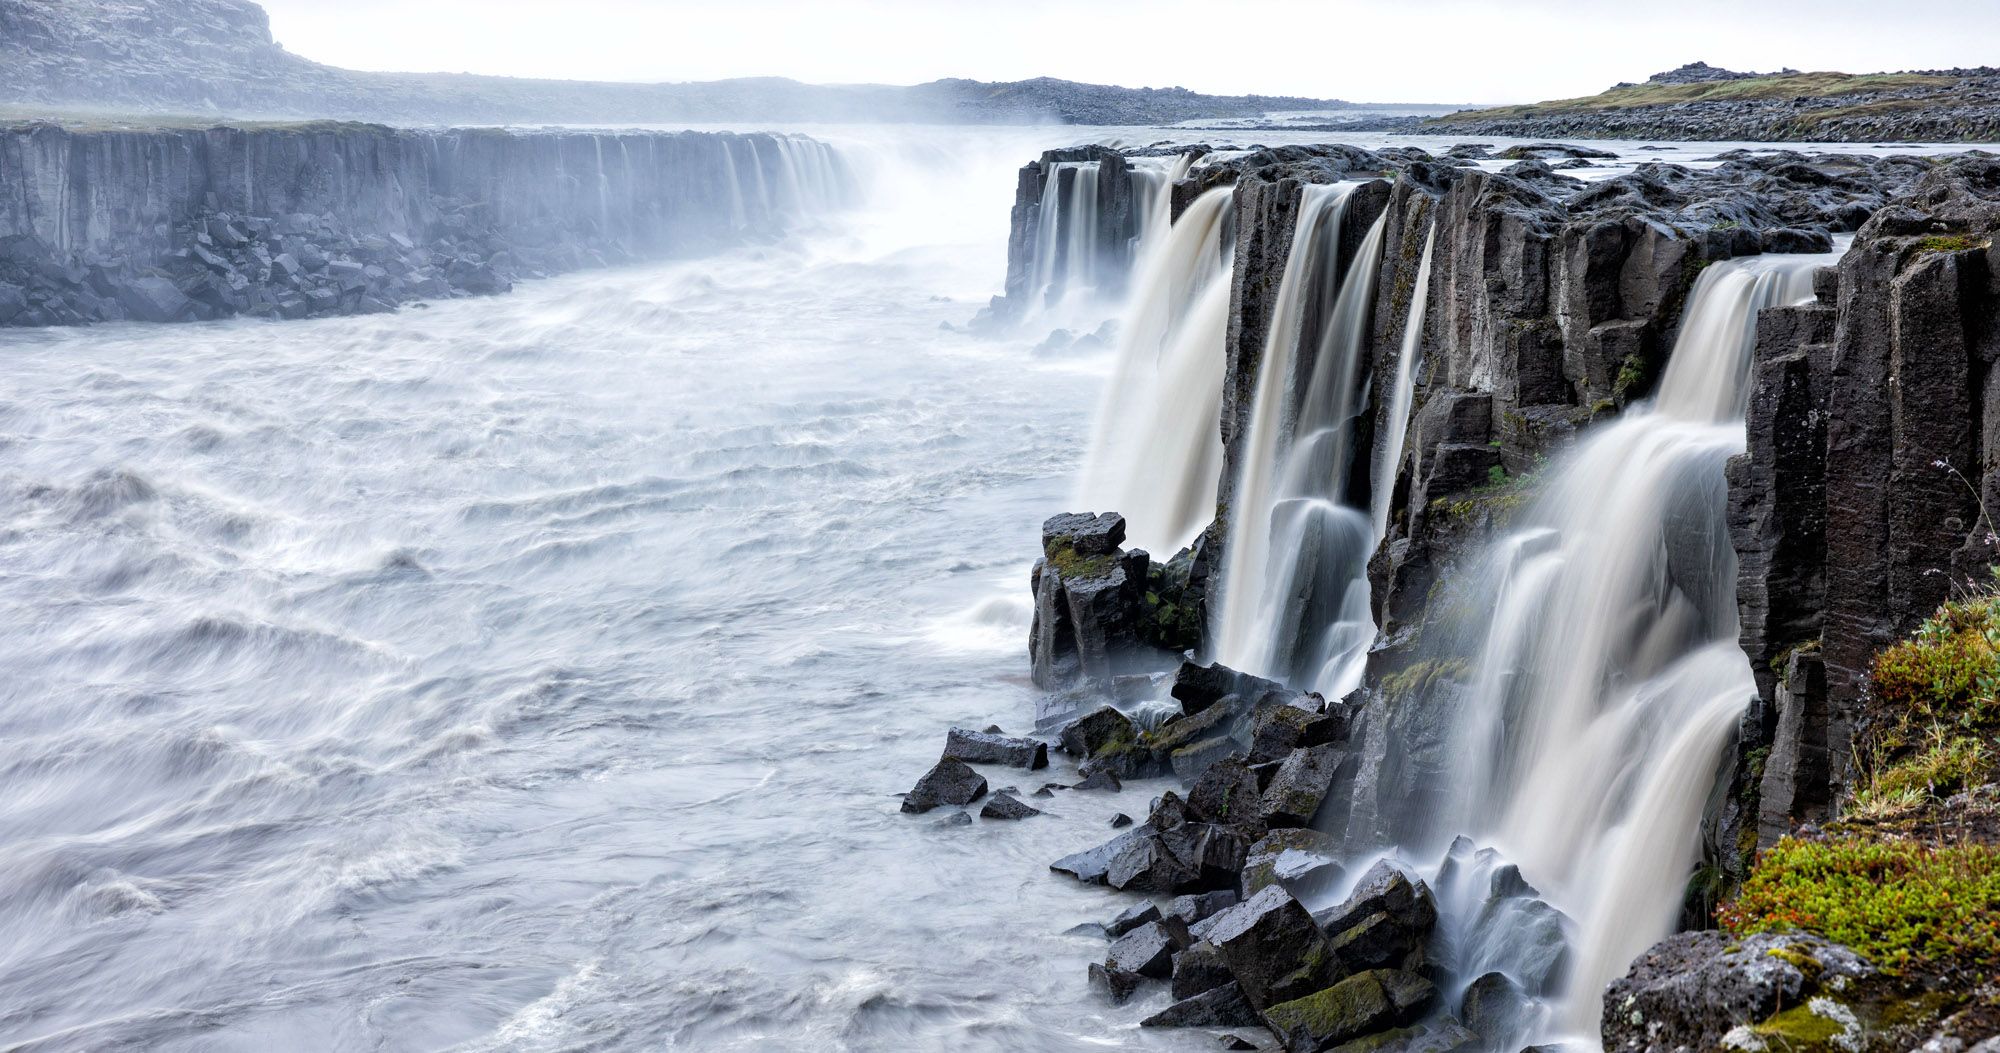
(1607, 681)
(1294, 590)
(1156, 454)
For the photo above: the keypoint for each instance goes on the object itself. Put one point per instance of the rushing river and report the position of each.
(539, 672)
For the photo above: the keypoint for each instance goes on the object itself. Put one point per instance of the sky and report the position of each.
(1422, 51)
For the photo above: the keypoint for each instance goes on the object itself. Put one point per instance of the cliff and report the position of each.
(298, 220)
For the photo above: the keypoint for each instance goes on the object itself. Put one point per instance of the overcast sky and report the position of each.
(1423, 51)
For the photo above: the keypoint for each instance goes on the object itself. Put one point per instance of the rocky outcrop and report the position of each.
(295, 221)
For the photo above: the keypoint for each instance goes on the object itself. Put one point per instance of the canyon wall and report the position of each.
(298, 220)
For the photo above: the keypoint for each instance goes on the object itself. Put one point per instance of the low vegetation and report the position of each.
(1786, 87)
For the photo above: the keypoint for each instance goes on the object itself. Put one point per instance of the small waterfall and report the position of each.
(1608, 681)
(1153, 179)
(1396, 420)
(1294, 590)
(1066, 234)
(1156, 454)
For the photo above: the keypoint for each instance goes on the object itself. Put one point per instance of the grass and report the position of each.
(1950, 243)
(1899, 904)
(1790, 86)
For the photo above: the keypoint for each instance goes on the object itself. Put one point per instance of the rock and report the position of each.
(1089, 604)
(1121, 820)
(1494, 1007)
(1223, 1006)
(1147, 951)
(1441, 1037)
(1237, 1042)
(1361, 1004)
(1278, 730)
(1200, 968)
(949, 782)
(1101, 780)
(1197, 687)
(1300, 785)
(1692, 988)
(1201, 906)
(1302, 860)
(958, 818)
(1132, 919)
(13, 301)
(980, 747)
(154, 299)
(1226, 793)
(1006, 806)
(1272, 948)
(1118, 986)
(1386, 888)
(1097, 731)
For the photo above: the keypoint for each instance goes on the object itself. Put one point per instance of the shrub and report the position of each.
(1900, 904)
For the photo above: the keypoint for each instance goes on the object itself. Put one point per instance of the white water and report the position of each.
(1156, 449)
(1395, 422)
(1609, 681)
(1066, 239)
(1294, 589)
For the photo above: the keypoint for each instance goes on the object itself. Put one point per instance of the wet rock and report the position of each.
(1441, 1037)
(958, 818)
(1226, 793)
(1198, 687)
(1222, 1006)
(1101, 780)
(1090, 603)
(982, 747)
(1692, 988)
(1494, 1006)
(1238, 1043)
(1201, 906)
(1300, 785)
(1120, 821)
(1117, 986)
(1386, 888)
(1360, 1004)
(1006, 806)
(1302, 860)
(1272, 947)
(1200, 968)
(1132, 919)
(950, 782)
(1278, 730)
(1146, 951)
(1097, 731)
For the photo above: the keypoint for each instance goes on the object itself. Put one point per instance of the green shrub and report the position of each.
(1900, 904)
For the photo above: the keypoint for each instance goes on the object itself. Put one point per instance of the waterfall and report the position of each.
(1294, 588)
(1396, 421)
(1066, 234)
(1156, 454)
(1608, 681)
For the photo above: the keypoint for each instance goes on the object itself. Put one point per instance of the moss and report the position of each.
(1900, 904)
(1798, 1029)
(1949, 243)
(1797, 959)
(1938, 700)
(1073, 564)
(1417, 678)
(1634, 375)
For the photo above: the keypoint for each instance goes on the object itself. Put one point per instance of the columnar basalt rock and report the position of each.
(316, 219)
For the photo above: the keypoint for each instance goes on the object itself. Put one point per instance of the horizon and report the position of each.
(1584, 50)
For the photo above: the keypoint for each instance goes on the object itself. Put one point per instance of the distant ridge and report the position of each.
(217, 57)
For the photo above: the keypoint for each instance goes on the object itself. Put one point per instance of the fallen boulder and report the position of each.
(951, 781)
(980, 747)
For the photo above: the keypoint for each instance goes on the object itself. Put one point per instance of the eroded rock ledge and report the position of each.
(291, 221)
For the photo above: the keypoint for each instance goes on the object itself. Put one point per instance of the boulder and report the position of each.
(1222, 1006)
(1097, 731)
(1197, 687)
(1272, 948)
(1006, 806)
(1117, 986)
(949, 782)
(1300, 860)
(1692, 988)
(1132, 919)
(1090, 604)
(1278, 730)
(1226, 793)
(1300, 785)
(980, 747)
(154, 299)
(1200, 968)
(1201, 906)
(1358, 1005)
(1494, 1006)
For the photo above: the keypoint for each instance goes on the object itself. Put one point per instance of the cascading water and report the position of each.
(1294, 590)
(1608, 680)
(1066, 234)
(1156, 454)
(1396, 420)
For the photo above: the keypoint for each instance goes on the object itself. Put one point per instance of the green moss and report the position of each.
(1633, 376)
(1798, 959)
(1899, 904)
(1073, 564)
(1417, 678)
(1798, 1029)
(1950, 243)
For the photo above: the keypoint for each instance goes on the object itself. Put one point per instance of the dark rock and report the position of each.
(980, 747)
(1147, 950)
(1272, 948)
(1102, 780)
(1300, 860)
(1132, 919)
(1201, 906)
(949, 782)
(1694, 987)
(1198, 687)
(1006, 806)
(1361, 1004)
(1121, 820)
(1226, 793)
(1200, 968)
(1097, 731)
(958, 818)
(1494, 1007)
(1278, 730)
(1300, 785)
(1222, 1006)
(1385, 889)
(1090, 604)
(1118, 986)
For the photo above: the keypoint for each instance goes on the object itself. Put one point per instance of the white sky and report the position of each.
(1424, 51)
